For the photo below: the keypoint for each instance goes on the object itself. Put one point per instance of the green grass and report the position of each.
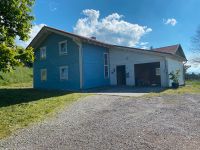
(21, 105)
(20, 75)
(191, 87)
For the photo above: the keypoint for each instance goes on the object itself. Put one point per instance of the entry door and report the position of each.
(121, 75)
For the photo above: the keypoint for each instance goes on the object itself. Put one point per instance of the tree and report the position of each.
(196, 46)
(15, 20)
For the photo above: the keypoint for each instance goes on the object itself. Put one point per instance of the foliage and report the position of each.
(192, 76)
(15, 21)
(196, 46)
(19, 76)
(12, 57)
(174, 76)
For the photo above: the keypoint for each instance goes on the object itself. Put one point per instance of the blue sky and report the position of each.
(145, 23)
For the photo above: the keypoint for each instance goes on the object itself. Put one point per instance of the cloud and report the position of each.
(53, 6)
(143, 45)
(34, 30)
(195, 67)
(170, 21)
(112, 28)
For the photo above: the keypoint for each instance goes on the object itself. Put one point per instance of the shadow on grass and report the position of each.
(24, 95)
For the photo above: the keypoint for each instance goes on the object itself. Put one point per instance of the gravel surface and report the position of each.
(113, 122)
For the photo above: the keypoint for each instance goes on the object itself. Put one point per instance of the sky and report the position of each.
(134, 23)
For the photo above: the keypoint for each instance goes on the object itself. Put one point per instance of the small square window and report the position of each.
(43, 53)
(63, 48)
(43, 74)
(64, 73)
(158, 71)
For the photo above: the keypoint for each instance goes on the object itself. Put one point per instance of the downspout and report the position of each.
(81, 65)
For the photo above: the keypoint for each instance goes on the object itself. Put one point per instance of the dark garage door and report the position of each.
(147, 74)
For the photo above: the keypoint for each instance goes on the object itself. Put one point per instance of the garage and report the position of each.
(147, 74)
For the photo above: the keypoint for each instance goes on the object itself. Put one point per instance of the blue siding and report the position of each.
(93, 66)
(52, 63)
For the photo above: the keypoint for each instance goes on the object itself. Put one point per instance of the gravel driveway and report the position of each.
(113, 122)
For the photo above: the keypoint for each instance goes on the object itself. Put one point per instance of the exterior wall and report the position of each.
(93, 66)
(174, 65)
(52, 63)
(129, 58)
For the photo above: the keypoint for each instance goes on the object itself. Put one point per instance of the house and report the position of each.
(67, 61)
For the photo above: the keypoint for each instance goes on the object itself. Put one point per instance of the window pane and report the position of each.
(64, 73)
(43, 53)
(63, 47)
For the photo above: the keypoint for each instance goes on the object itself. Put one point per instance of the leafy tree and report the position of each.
(196, 46)
(15, 20)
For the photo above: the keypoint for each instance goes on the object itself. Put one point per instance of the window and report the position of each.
(43, 53)
(63, 48)
(158, 71)
(106, 66)
(43, 74)
(64, 73)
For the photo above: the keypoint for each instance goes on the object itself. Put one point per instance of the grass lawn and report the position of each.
(19, 76)
(191, 87)
(21, 105)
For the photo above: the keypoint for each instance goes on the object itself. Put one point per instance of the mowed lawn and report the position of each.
(191, 87)
(21, 105)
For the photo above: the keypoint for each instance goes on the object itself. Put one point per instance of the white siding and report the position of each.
(174, 65)
(129, 58)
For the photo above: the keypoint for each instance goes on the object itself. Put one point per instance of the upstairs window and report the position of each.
(43, 75)
(106, 66)
(64, 73)
(43, 53)
(63, 48)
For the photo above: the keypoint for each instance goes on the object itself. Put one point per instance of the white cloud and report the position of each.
(144, 43)
(170, 21)
(195, 67)
(53, 6)
(35, 29)
(112, 29)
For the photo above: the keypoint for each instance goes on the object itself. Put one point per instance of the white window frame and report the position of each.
(60, 52)
(157, 71)
(41, 72)
(106, 65)
(61, 77)
(41, 53)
